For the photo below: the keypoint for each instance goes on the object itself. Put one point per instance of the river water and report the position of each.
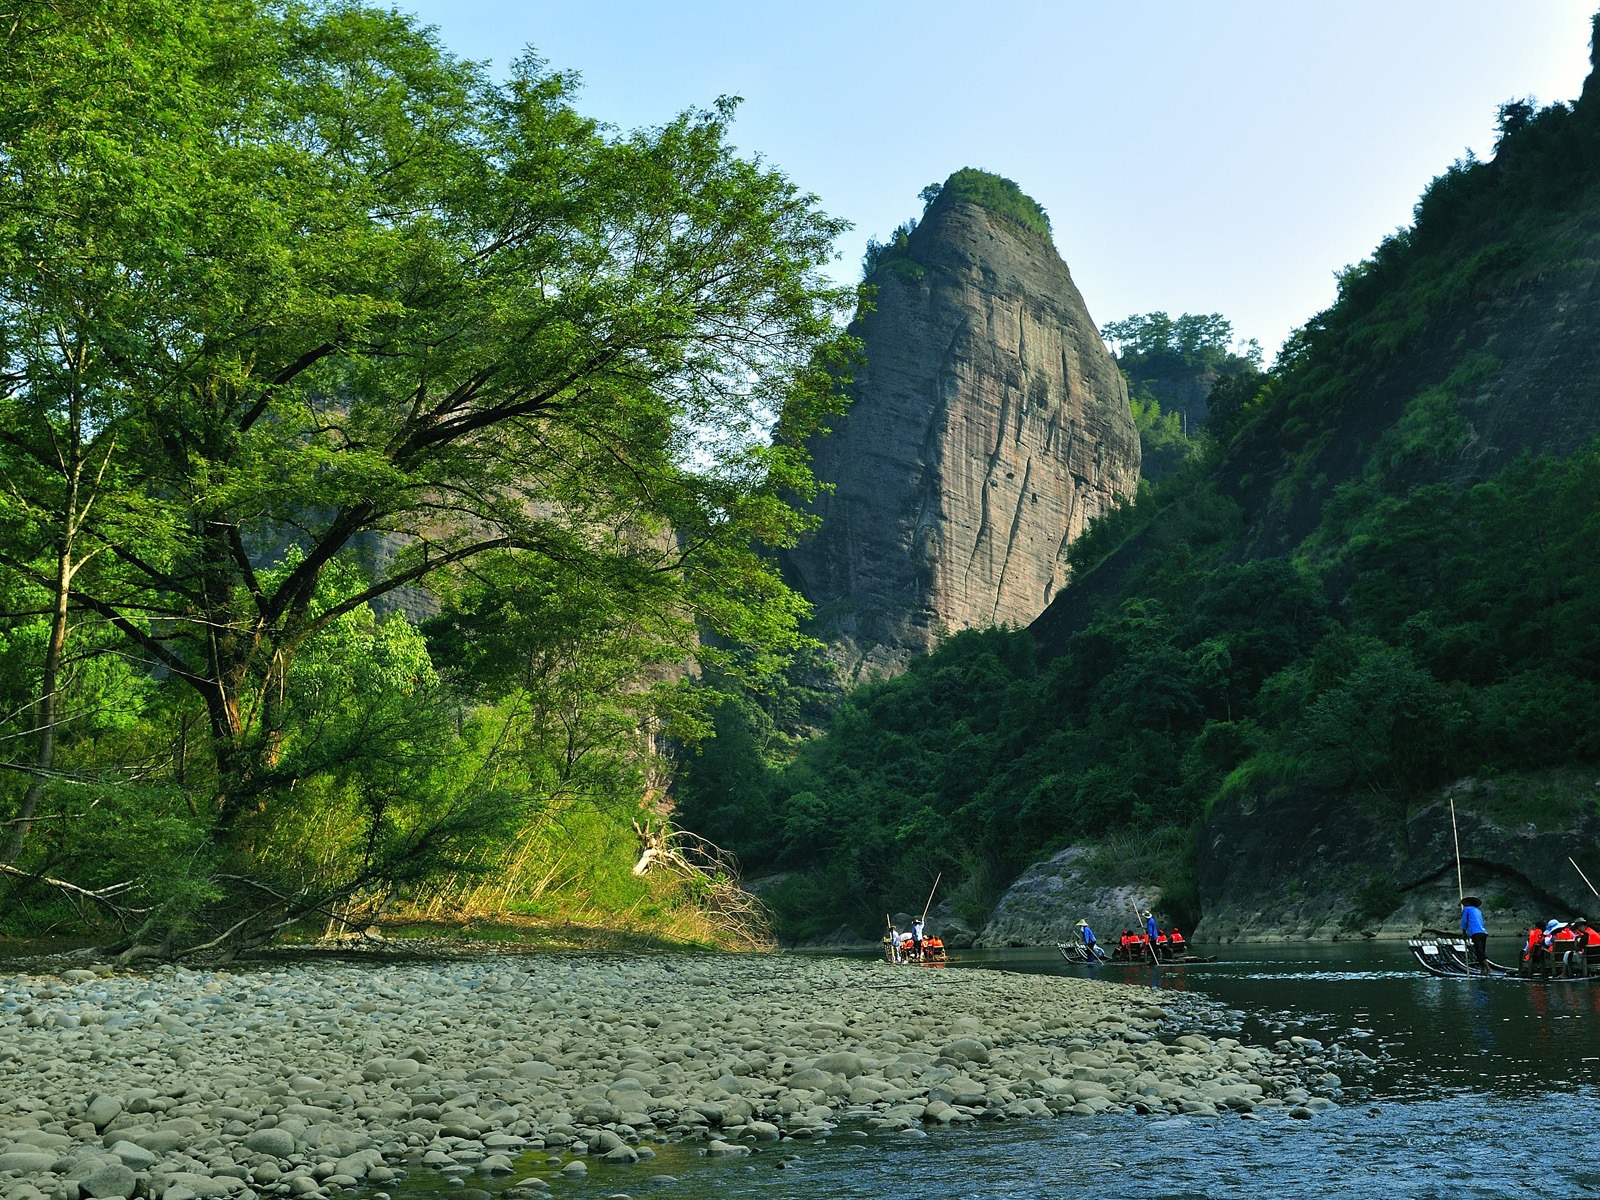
(1483, 1089)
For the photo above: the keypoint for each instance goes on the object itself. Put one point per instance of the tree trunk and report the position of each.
(50, 680)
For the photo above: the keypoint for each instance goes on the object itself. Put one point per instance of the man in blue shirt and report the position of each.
(1477, 933)
(1152, 931)
(1089, 947)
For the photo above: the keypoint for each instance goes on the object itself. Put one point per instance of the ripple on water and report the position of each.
(1420, 1150)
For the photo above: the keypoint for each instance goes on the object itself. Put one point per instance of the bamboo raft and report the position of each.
(1074, 952)
(1451, 958)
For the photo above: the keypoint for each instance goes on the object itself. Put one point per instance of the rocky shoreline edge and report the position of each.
(306, 1079)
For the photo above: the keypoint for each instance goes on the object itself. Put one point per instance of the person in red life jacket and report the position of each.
(1176, 939)
(1533, 952)
(1127, 943)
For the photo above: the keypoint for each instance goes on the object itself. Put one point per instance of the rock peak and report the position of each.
(989, 425)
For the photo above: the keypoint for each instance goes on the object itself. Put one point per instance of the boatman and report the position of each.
(1476, 931)
(916, 937)
(1152, 932)
(1088, 940)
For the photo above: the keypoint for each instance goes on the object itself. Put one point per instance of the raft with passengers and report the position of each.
(1557, 950)
(915, 946)
(1153, 946)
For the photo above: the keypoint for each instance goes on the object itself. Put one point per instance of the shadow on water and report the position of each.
(1484, 1089)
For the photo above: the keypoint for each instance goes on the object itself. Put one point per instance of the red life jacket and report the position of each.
(1176, 936)
(1535, 938)
(1594, 937)
(1565, 935)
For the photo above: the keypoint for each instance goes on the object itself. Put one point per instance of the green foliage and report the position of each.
(1344, 591)
(1163, 445)
(1480, 232)
(1454, 634)
(302, 313)
(982, 755)
(894, 251)
(1374, 900)
(996, 193)
(1193, 341)
(1233, 401)
(999, 195)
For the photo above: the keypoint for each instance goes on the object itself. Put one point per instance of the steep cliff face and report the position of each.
(989, 425)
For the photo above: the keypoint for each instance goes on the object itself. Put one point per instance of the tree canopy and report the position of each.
(298, 312)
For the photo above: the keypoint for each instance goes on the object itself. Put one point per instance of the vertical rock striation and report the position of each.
(989, 425)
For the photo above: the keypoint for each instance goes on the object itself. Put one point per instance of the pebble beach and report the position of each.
(305, 1079)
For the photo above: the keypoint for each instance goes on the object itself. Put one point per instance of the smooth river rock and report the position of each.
(301, 1080)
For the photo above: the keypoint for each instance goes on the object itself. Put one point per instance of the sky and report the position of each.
(1228, 156)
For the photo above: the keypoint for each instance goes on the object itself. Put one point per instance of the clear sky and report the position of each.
(1226, 156)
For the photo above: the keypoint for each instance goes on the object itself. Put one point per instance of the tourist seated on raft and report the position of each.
(1176, 938)
(1534, 955)
(1557, 938)
(1575, 959)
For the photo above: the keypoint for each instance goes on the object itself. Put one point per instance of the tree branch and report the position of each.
(410, 575)
(304, 363)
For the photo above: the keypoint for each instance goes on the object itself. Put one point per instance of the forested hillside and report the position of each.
(301, 315)
(1171, 365)
(1379, 577)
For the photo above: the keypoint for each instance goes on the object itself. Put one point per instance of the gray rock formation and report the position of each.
(989, 425)
(1048, 900)
(1317, 865)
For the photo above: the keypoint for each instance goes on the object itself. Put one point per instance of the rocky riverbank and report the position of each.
(301, 1080)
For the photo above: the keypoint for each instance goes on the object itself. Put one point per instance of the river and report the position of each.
(1484, 1089)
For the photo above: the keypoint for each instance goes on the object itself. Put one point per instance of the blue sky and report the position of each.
(1226, 156)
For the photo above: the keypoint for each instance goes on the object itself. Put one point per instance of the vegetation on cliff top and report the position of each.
(1415, 628)
(299, 314)
(995, 193)
(987, 190)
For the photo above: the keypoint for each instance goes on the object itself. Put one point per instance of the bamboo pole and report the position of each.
(929, 904)
(1584, 877)
(1461, 891)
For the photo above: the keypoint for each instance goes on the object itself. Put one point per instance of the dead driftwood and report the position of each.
(710, 876)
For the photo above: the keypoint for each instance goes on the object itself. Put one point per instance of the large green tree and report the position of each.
(340, 299)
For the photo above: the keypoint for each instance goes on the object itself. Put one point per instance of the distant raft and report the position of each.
(901, 951)
(1076, 952)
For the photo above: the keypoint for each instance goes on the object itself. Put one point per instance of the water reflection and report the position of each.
(1439, 1036)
